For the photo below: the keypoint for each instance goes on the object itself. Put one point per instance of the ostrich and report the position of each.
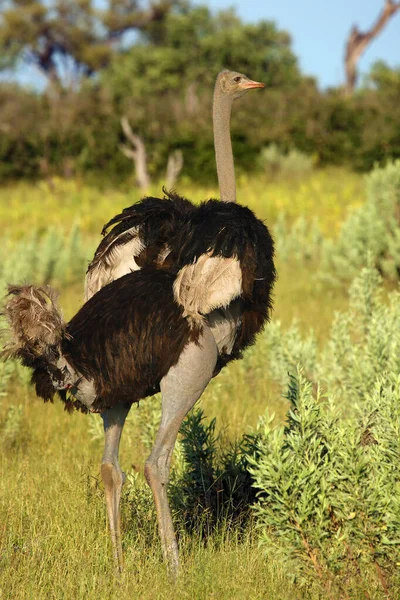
(174, 292)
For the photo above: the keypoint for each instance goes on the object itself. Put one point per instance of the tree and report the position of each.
(68, 39)
(384, 79)
(358, 41)
(191, 45)
(164, 82)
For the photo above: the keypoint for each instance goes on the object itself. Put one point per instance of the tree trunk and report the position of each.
(358, 41)
(174, 167)
(137, 153)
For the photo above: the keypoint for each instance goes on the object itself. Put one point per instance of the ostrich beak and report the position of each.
(249, 84)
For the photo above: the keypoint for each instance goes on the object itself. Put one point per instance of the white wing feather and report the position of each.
(209, 283)
(115, 261)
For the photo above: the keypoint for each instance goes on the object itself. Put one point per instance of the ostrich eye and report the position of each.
(237, 79)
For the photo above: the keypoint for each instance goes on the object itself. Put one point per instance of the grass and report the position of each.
(325, 194)
(53, 533)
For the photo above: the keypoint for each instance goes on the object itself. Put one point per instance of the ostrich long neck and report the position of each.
(222, 107)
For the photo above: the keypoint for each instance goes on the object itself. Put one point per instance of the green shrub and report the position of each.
(44, 258)
(291, 164)
(210, 484)
(302, 242)
(328, 504)
(372, 230)
(364, 341)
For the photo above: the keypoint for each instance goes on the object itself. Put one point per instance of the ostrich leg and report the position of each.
(113, 477)
(180, 389)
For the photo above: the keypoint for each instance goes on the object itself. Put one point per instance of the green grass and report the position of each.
(54, 541)
(53, 533)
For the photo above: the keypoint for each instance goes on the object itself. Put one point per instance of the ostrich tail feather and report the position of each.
(35, 324)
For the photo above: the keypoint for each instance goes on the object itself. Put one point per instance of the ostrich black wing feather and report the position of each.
(225, 252)
(137, 237)
(218, 252)
(141, 333)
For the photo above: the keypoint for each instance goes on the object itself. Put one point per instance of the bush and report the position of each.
(364, 341)
(372, 230)
(328, 483)
(370, 233)
(47, 258)
(211, 485)
(294, 163)
(328, 503)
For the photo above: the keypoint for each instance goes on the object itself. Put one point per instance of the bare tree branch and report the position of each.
(174, 167)
(136, 153)
(128, 152)
(358, 41)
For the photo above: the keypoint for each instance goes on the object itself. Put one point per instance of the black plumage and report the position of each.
(119, 341)
(189, 231)
(154, 220)
(127, 337)
(230, 230)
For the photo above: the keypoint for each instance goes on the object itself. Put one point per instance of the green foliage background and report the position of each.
(161, 78)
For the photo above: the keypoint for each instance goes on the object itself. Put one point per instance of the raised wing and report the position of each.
(116, 256)
(223, 253)
(138, 237)
(220, 253)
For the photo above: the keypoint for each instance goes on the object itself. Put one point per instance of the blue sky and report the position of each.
(318, 28)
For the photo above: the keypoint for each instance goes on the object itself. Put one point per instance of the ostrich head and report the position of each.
(235, 84)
